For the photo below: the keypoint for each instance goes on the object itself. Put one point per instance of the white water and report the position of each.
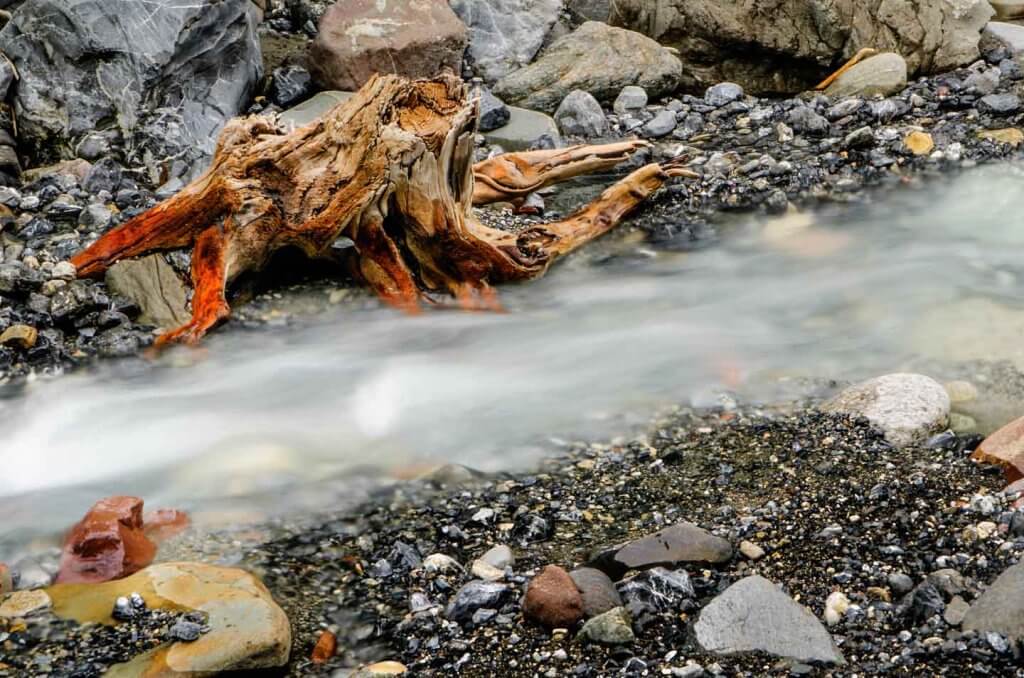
(861, 291)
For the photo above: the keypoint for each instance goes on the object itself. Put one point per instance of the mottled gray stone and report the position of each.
(1001, 607)
(883, 74)
(908, 408)
(595, 58)
(580, 115)
(755, 615)
(505, 35)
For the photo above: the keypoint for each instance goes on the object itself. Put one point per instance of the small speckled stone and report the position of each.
(24, 603)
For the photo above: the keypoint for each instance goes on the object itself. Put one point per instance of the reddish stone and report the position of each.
(412, 38)
(553, 599)
(326, 646)
(1005, 447)
(108, 543)
(162, 524)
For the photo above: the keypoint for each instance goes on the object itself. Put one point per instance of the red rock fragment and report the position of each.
(162, 524)
(1005, 447)
(108, 543)
(326, 646)
(553, 599)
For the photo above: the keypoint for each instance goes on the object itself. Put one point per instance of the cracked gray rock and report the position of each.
(165, 74)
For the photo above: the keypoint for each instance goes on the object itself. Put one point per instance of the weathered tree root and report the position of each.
(390, 169)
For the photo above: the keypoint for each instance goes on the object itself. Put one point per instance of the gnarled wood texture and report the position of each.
(390, 169)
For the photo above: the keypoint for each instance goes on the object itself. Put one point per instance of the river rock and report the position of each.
(630, 100)
(523, 129)
(289, 85)
(595, 58)
(505, 35)
(1006, 448)
(611, 628)
(358, 38)
(754, 615)
(493, 111)
(1008, 9)
(476, 595)
(999, 104)
(919, 143)
(660, 125)
(722, 94)
(553, 599)
(882, 74)
(733, 41)
(1000, 608)
(24, 603)
(381, 670)
(908, 408)
(19, 336)
(680, 543)
(108, 543)
(597, 590)
(654, 592)
(1002, 34)
(590, 10)
(154, 286)
(248, 630)
(166, 74)
(580, 115)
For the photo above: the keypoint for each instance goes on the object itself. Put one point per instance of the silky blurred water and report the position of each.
(591, 350)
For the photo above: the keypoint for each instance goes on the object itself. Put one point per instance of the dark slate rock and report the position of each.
(660, 125)
(598, 591)
(999, 104)
(290, 85)
(169, 74)
(476, 595)
(805, 121)
(680, 543)
(755, 615)
(654, 592)
(493, 111)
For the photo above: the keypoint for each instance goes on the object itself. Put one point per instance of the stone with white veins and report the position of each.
(907, 408)
(755, 615)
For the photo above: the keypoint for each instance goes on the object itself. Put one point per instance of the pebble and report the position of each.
(553, 599)
(751, 550)
(630, 100)
(597, 591)
(474, 596)
(610, 628)
(919, 143)
(680, 543)
(19, 336)
(1000, 104)
(836, 606)
(660, 125)
(655, 592)
(722, 94)
(24, 603)
(438, 562)
(186, 631)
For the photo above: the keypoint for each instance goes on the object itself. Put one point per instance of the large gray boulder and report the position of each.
(166, 74)
(785, 46)
(505, 35)
(595, 58)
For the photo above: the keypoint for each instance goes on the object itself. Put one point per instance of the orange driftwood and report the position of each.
(391, 170)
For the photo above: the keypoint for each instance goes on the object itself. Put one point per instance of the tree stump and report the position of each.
(390, 169)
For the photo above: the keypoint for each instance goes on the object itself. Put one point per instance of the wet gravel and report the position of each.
(824, 502)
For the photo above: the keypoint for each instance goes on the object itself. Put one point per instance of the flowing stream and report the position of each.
(257, 422)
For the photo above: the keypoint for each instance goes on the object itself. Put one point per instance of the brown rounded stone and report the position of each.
(553, 599)
(1005, 447)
